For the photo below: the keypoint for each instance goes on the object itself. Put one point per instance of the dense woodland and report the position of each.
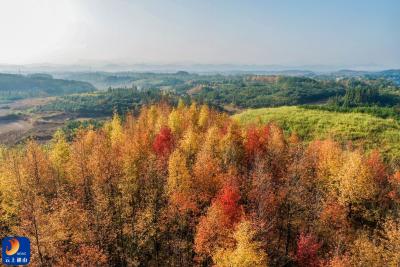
(379, 98)
(239, 91)
(144, 80)
(188, 186)
(104, 80)
(267, 91)
(104, 103)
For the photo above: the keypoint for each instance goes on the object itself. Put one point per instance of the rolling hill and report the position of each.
(363, 130)
(14, 86)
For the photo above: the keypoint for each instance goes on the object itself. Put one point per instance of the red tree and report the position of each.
(215, 228)
(228, 200)
(163, 142)
(377, 167)
(307, 251)
(256, 142)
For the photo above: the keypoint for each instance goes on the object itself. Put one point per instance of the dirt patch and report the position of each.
(18, 132)
(264, 78)
(58, 117)
(232, 109)
(195, 90)
(29, 103)
(20, 125)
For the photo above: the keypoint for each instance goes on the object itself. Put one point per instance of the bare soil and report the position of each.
(18, 123)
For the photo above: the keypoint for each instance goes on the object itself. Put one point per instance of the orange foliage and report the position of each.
(187, 185)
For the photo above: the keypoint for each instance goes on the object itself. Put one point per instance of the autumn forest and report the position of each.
(190, 186)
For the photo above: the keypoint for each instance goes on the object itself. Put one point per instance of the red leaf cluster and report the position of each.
(307, 251)
(163, 142)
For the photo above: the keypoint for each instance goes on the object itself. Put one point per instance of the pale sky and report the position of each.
(286, 32)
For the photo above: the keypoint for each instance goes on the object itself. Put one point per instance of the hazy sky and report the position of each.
(297, 32)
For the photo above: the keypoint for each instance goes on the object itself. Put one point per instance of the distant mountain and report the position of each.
(15, 86)
(393, 75)
(103, 74)
(94, 66)
(350, 73)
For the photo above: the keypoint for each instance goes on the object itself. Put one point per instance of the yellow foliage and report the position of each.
(174, 121)
(207, 173)
(391, 243)
(355, 181)
(231, 146)
(181, 104)
(60, 152)
(192, 114)
(247, 253)
(276, 140)
(203, 116)
(10, 182)
(379, 250)
(116, 129)
(211, 142)
(329, 160)
(339, 261)
(366, 253)
(189, 144)
(81, 152)
(179, 178)
(37, 168)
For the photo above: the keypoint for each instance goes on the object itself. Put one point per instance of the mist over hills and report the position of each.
(106, 74)
(190, 67)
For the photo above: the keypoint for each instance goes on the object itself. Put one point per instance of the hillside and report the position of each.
(363, 130)
(103, 102)
(143, 80)
(244, 90)
(13, 86)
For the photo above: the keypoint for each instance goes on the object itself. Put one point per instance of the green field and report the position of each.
(363, 130)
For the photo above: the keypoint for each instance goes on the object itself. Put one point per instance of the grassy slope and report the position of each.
(365, 130)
